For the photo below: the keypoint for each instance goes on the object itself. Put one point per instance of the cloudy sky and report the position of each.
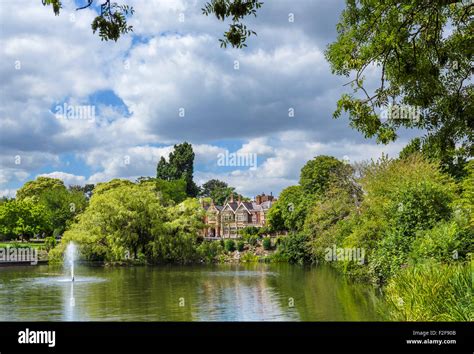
(168, 82)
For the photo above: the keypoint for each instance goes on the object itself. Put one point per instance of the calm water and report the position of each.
(196, 293)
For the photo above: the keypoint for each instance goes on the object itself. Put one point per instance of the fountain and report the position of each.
(70, 257)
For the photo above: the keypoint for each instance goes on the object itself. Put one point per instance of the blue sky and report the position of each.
(168, 82)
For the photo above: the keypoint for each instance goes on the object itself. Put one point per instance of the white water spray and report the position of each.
(70, 257)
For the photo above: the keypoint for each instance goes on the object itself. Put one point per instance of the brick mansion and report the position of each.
(225, 221)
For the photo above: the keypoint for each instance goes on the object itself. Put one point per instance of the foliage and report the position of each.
(452, 160)
(267, 243)
(248, 231)
(316, 174)
(62, 206)
(422, 65)
(252, 240)
(465, 204)
(209, 251)
(49, 243)
(229, 245)
(446, 242)
(289, 211)
(240, 245)
(129, 220)
(115, 183)
(218, 191)
(236, 10)
(23, 218)
(86, 189)
(431, 292)
(179, 166)
(294, 248)
(112, 21)
(39, 186)
(249, 257)
(174, 190)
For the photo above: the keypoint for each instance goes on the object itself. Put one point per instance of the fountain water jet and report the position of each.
(70, 257)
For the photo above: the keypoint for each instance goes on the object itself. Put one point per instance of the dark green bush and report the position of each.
(240, 245)
(294, 248)
(208, 251)
(267, 243)
(229, 245)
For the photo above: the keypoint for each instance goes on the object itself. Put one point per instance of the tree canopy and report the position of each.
(217, 190)
(423, 50)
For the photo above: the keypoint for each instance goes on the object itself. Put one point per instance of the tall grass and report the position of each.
(431, 292)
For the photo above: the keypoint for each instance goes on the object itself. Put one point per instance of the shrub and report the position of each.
(240, 245)
(252, 240)
(249, 257)
(50, 243)
(294, 248)
(446, 242)
(209, 251)
(267, 243)
(248, 231)
(431, 292)
(390, 254)
(229, 245)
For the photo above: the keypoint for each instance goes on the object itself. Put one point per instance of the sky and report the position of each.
(87, 111)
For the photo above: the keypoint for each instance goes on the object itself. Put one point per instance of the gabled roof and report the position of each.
(217, 207)
(246, 205)
(231, 206)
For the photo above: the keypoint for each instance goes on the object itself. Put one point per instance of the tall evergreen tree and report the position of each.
(179, 166)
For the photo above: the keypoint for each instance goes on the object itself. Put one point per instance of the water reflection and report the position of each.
(200, 293)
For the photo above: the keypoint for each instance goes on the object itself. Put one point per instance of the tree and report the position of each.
(423, 49)
(62, 206)
(23, 218)
(86, 189)
(126, 221)
(289, 211)
(112, 20)
(115, 183)
(37, 187)
(451, 160)
(316, 174)
(174, 190)
(218, 191)
(180, 166)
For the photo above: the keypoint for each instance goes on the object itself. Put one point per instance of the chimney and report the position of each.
(240, 200)
(232, 198)
(258, 199)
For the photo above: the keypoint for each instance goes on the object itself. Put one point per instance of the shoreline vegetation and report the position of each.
(402, 224)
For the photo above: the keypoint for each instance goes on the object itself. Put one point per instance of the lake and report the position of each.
(249, 292)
